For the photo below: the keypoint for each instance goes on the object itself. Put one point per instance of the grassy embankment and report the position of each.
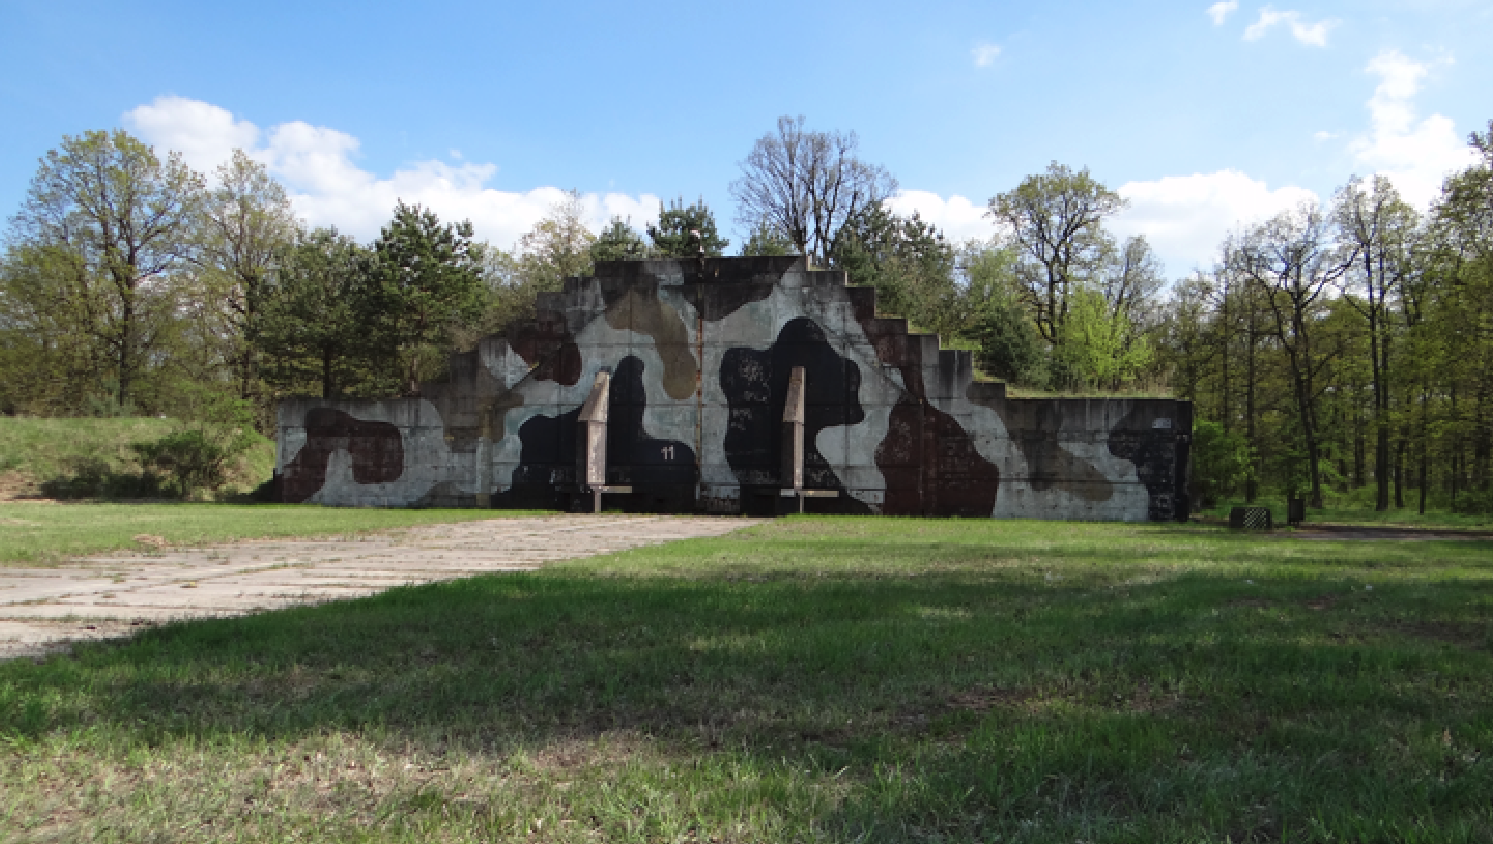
(87, 457)
(40, 457)
(811, 679)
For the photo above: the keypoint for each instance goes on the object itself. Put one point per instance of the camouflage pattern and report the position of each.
(700, 353)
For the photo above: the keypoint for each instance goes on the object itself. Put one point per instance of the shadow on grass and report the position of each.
(1102, 704)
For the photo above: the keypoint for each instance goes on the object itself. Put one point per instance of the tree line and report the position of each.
(131, 284)
(1347, 348)
(1334, 350)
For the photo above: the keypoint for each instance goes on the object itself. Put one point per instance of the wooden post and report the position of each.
(793, 437)
(591, 436)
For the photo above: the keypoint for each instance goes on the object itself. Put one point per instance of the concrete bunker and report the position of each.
(715, 385)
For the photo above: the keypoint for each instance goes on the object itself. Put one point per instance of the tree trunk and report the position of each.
(1252, 483)
(126, 342)
(1425, 454)
(1399, 473)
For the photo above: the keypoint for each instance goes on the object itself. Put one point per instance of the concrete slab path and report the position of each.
(44, 609)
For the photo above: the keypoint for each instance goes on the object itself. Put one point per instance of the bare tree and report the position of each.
(806, 185)
(1132, 283)
(1056, 218)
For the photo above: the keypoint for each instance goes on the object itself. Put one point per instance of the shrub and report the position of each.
(190, 458)
(1220, 461)
(198, 457)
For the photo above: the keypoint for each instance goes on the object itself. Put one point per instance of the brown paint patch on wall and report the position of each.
(546, 344)
(376, 448)
(1033, 425)
(932, 467)
(647, 315)
(895, 347)
(562, 366)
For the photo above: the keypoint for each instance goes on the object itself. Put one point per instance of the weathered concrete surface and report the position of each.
(43, 609)
(699, 356)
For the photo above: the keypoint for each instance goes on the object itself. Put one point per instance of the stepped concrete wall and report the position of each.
(700, 353)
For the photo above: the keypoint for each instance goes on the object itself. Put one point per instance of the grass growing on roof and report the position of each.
(829, 679)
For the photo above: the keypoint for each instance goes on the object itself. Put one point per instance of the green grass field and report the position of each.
(35, 533)
(812, 679)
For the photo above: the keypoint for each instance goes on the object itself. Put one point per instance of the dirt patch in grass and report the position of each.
(1460, 635)
(1249, 603)
(1322, 602)
(984, 700)
(16, 485)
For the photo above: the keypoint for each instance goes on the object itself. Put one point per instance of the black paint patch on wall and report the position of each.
(376, 448)
(756, 388)
(1147, 437)
(656, 468)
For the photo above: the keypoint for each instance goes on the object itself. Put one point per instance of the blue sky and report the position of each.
(1205, 114)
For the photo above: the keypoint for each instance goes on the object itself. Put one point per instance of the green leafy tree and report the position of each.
(1220, 461)
(767, 241)
(1056, 220)
(1291, 260)
(50, 357)
(110, 225)
(1381, 230)
(1092, 351)
(619, 241)
(685, 231)
(429, 278)
(1010, 348)
(909, 263)
(246, 223)
(310, 329)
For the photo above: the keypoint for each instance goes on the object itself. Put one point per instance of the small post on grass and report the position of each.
(591, 435)
(793, 437)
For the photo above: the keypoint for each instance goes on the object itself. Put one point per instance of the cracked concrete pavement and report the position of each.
(45, 609)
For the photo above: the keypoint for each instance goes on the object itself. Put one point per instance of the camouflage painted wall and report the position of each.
(700, 354)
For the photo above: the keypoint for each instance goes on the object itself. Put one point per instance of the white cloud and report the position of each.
(1186, 217)
(1323, 135)
(985, 55)
(1415, 156)
(1183, 217)
(1221, 10)
(959, 218)
(204, 134)
(1310, 34)
(316, 165)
